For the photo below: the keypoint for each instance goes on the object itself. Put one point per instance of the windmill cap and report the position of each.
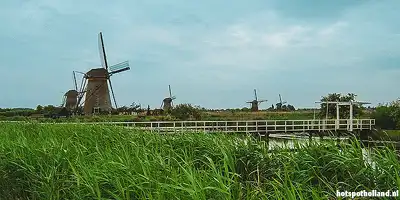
(168, 99)
(98, 72)
(71, 93)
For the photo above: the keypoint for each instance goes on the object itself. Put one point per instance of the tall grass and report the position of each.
(58, 161)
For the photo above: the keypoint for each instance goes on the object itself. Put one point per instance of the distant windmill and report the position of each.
(70, 99)
(167, 102)
(255, 102)
(280, 103)
(96, 91)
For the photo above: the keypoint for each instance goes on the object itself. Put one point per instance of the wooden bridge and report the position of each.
(252, 126)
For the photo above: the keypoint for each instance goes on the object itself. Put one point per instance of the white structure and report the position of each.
(338, 104)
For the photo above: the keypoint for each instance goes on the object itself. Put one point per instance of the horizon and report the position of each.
(212, 53)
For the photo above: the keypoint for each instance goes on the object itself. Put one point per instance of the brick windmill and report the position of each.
(70, 99)
(167, 102)
(255, 102)
(95, 87)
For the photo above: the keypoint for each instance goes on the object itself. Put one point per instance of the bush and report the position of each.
(387, 116)
(186, 112)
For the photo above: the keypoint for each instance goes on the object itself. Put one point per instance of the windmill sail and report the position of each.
(120, 67)
(102, 52)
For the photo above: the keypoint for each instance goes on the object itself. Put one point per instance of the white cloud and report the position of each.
(292, 35)
(332, 29)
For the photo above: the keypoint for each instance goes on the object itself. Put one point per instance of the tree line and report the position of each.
(387, 116)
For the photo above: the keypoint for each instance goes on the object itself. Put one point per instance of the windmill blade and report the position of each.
(102, 51)
(112, 92)
(81, 94)
(280, 99)
(120, 67)
(64, 101)
(81, 91)
(75, 83)
(255, 94)
(162, 103)
(170, 93)
(260, 101)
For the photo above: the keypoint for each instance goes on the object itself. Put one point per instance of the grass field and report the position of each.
(94, 162)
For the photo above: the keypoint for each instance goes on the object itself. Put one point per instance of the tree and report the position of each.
(291, 108)
(39, 109)
(387, 116)
(186, 112)
(344, 111)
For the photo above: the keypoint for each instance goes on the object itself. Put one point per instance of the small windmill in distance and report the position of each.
(167, 104)
(70, 99)
(255, 102)
(280, 104)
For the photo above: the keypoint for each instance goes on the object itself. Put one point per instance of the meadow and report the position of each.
(59, 161)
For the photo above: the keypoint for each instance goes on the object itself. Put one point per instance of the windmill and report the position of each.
(70, 99)
(95, 87)
(255, 102)
(167, 102)
(280, 103)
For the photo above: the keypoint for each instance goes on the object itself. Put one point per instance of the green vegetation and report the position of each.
(181, 112)
(61, 161)
(388, 116)
(393, 132)
(344, 111)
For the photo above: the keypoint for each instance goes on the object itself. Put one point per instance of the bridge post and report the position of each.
(337, 117)
(351, 117)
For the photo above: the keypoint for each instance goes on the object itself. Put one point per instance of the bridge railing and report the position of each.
(252, 125)
(249, 126)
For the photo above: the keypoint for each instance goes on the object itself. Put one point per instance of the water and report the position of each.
(289, 143)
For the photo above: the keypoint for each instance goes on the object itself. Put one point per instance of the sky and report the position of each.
(213, 53)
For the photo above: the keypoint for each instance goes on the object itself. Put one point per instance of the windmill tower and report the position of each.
(167, 102)
(70, 99)
(280, 103)
(255, 102)
(96, 89)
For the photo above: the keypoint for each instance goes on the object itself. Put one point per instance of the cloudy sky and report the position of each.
(212, 52)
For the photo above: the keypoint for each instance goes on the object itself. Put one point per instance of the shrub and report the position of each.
(387, 116)
(186, 112)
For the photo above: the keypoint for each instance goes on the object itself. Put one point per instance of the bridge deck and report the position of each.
(255, 126)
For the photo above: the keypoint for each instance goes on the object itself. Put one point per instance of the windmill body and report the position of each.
(70, 99)
(167, 103)
(254, 105)
(97, 97)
